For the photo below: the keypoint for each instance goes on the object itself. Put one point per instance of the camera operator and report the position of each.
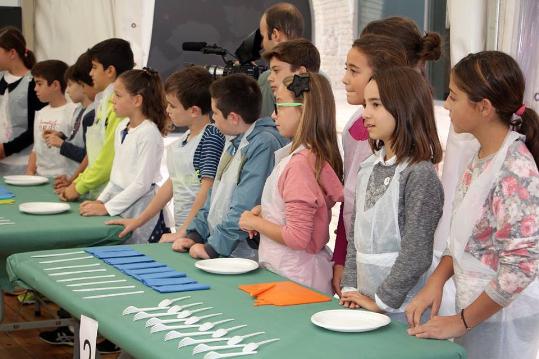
(280, 22)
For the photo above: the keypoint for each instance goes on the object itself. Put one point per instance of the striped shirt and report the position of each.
(208, 152)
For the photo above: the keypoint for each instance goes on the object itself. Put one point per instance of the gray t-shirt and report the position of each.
(421, 200)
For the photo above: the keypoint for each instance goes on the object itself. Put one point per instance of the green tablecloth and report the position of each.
(299, 338)
(40, 232)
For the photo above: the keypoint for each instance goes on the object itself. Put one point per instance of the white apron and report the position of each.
(513, 332)
(223, 188)
(312, 270)
(182, 173)
(377, 235)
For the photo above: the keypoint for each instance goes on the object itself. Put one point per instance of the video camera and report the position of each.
(242, 59)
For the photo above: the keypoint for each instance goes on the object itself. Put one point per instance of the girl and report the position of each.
(399, 197)
(494, 236)
(138, 145)
(18, 101)
(368, 54)
(295, 211)
(192, 161)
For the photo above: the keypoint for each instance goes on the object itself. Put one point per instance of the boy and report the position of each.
(192, 161)
(110, 58)
(247, 161)
(280, 22)
(80, 89)
(56, 116)
(291, 58)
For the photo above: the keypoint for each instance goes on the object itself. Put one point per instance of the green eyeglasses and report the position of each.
(286, 104)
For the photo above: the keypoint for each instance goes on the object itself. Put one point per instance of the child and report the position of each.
(289, 58)
(110, 58)
(494, 236)
(138, 145)
(18, 101)
(80, 88)
(295, 212)
(192, 161)
(246, 162)
(368, 54)
(399, 197)
(56, 116)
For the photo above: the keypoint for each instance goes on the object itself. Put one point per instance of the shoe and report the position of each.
(107, 347)
(59, 336)
(27, 297)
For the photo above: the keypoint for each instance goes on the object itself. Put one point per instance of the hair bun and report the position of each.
(431, 46)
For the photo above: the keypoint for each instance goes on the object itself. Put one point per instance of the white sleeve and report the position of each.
(150, 153)
(384, 306)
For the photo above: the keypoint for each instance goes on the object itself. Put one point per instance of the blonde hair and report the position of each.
(317, 128)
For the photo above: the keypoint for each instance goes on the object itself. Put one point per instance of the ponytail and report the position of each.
(28, 59)
(530, 128)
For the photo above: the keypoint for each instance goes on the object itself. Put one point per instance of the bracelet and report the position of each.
(464, 320)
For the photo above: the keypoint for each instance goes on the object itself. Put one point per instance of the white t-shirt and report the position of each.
(49, 160)
(135, 167)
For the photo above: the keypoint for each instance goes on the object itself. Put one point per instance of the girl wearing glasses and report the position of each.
(295, 211)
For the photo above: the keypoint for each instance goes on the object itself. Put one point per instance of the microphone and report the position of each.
(193, 46)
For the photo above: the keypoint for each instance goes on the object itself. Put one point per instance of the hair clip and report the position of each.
(300, 84)
(150, 71)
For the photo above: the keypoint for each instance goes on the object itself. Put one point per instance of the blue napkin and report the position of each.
(167, 274)
(180, 288)
(97, 251)
(168, 281)
(118, 254)
(136, 272)
(5, 193)
(154, 264)
(127, 260)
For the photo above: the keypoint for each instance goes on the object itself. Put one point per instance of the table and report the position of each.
(299, 338)
(40, 232)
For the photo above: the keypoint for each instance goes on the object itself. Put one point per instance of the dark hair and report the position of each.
(496, 76)
(68, 75)
(286, 18)
(237, 93)
(81, 69)
(382, 52)
(297, 53)
(191, 86)
(113, 52)
(317, 128)
(12, 38)
(404, 30)
(406, 95)
(51, 70)
(147, 84)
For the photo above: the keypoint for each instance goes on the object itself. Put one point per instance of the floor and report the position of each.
(25, 344)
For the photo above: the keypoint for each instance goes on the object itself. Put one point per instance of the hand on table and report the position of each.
(354, 300)
(440, 328)
(130, 224)
(69, 194)
(248, 219)
(93, 208)
(172, 237)
(429, 296)
(182, 244)
(61, 182)
(338, 270)
(198, 251)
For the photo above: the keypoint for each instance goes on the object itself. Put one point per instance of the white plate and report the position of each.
(24, 180)
(43, 207)
(227, 265)
(349, 320)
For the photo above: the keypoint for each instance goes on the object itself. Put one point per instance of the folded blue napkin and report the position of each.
(127, 260)
(168, 281)
(153, 264)
(117, 254)
(180, 288)
(167, 274)
(104, 250)
(136, 272)
(5, 193)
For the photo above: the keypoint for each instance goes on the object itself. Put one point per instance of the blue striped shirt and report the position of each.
(208, 152)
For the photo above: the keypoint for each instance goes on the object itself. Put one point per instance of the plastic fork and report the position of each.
(219, 333)
(191, 320)
(249, 347)
(201, 327)
(215, 355)
(132, 309)
(174, 310)
(167, 302)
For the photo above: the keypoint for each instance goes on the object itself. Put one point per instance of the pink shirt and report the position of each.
(308, 202)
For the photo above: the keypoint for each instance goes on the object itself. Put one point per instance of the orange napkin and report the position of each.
(282, 293)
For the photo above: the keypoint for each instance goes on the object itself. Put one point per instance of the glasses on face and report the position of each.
(285, 104)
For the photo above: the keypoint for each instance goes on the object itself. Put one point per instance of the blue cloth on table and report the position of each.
(167, 274)
(153, 264)
(168, 281)
(180, 288)
(135, 272)
(5, 193)
(118, 254)
(127, 260)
